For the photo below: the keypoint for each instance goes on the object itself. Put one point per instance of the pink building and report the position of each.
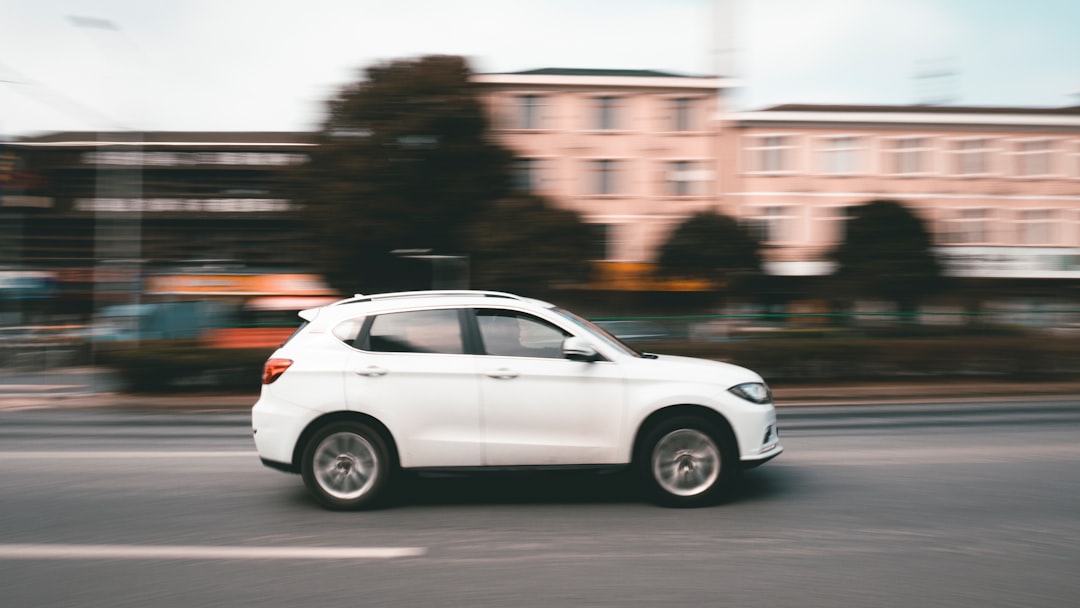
(998, 187)
(636, 152)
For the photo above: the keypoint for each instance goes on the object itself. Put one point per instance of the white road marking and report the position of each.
(83, 455)
(51, 551)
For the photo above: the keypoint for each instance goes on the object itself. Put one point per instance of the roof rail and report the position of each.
(428, 293)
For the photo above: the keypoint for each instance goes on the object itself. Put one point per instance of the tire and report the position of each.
(346, 465)
(687, 461)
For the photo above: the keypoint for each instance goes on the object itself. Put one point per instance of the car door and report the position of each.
(537, 407)
(409, 370)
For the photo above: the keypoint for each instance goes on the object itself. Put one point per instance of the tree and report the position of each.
(712, 247)
(887, 255)
(404, 161)
(524, 244)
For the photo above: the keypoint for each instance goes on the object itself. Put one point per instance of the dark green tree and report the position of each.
(713, 247)
(525, 245)
(888, 255)
(404, 161)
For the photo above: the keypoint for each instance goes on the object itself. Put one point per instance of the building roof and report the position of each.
(600, 72)
(925, 109)
(239, 138)
(966, 117)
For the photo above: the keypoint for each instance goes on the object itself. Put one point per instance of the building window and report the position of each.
(771, 154)
(833, 222)
(775, 224)
(600, 236)
(682, 114)
(527, 112)
(968, 227)
(685, 178)
(1036, 227)
(604, 176)
(1032, 158)
(971, 157)
(841, 156)
(908, 156)
(606, 115)
(1074, 160)
(527, 174)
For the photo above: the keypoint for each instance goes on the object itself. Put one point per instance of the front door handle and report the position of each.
(371, 371)
(502, 374)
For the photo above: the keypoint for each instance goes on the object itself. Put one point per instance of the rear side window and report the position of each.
(417, 331)
(348, 331)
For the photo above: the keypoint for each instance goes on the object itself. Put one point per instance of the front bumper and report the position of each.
(749, 463)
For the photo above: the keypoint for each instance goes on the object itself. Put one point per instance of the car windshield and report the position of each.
(599, 332)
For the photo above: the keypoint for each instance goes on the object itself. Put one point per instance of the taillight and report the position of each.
(273, 369)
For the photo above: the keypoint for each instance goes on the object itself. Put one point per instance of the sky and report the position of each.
(270, 65)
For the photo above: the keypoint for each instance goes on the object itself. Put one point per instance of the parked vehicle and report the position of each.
(469, 380)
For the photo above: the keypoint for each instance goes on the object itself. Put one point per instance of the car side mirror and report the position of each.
(578, 349)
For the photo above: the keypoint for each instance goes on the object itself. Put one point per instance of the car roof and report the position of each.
(381, 302)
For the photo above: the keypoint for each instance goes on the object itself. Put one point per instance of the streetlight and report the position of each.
(118, 242)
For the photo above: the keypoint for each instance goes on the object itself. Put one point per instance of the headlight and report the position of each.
(755, 392)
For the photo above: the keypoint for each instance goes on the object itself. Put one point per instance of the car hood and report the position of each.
(672, 367)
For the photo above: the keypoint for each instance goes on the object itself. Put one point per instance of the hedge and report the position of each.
(157, 367)
(1017, 358)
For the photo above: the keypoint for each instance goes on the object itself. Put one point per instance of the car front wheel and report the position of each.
(687, 461)
(346, 465)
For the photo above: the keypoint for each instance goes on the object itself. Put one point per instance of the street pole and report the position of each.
(118, 232)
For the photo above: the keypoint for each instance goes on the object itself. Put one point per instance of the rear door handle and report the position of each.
(502, 374)
(371, 371)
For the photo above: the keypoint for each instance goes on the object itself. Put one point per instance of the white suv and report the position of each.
(465, 380)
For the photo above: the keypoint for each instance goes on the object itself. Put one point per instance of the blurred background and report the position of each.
(821, 191)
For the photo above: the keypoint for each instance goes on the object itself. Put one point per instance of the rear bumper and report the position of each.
(276, 428)
(280, 466)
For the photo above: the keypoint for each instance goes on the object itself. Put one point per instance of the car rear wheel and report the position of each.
(346, 465)
(687, 461)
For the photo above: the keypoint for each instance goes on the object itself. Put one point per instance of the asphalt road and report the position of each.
(939, 505)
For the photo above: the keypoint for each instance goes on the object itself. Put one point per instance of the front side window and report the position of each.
(508, 333)
(417, 331)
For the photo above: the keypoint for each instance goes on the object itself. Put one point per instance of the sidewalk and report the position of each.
(863, 393)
